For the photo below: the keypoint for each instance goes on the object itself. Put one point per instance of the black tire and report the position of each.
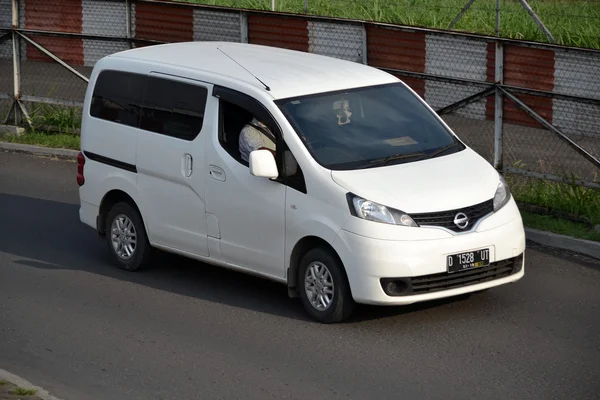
(342, 304)
(141, 252)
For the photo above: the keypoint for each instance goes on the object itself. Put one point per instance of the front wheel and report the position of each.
(126, 237)
(324, 288)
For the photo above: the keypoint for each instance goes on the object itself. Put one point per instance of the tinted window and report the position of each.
(118, 97)
(368, 127)
(173, 108)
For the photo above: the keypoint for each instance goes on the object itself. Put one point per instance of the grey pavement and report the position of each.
(72, 323)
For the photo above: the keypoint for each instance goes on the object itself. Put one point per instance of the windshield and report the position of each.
(368, 127)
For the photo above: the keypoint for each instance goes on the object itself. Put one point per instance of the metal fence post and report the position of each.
(16, 64)
(499, 99)
(272, 5)
(305, 6)
(537, 20)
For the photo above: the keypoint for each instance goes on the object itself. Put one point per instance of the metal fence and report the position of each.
(528, 108)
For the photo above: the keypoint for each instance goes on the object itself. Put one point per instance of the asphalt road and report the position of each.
(82, 329)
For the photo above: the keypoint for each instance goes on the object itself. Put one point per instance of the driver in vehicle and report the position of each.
(343, 112)
(255, 136)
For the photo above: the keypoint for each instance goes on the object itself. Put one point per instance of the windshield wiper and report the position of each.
(386, 160)
(438, 151)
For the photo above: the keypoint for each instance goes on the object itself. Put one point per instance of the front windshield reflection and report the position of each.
(368, 127)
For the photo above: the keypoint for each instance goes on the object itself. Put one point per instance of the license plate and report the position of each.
(468, 260)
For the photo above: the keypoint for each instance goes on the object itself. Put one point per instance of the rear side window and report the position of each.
(118, 97)
(173, 108)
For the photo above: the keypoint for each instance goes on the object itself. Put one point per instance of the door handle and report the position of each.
(188, 165)
(216, 173)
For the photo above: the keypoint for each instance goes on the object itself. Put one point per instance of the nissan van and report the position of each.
(356, 192)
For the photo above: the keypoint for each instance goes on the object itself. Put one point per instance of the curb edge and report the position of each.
(46, 151)
(18, 381)
(549, 239)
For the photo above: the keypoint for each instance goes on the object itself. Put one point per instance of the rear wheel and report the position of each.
(126, 237)
(324, 288)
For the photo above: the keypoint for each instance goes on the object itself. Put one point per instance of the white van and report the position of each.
(355, 191)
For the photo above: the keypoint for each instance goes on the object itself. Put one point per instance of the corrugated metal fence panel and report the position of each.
(103, 18)
(513, 114)
(456, 57)
(577, 118)
(416, 84)
(525, 67)
(169, 23)
(6, 49)
(397, 49)
(58, 16)
(278, 31)
(94, 50)
(5, 23)
(22, 13)
(442, 94)
(528, 67)
(339, 40)
(63, 16)
(5, 14)
(217, 26)
(531, 68)
(70, 50)
(577, 74)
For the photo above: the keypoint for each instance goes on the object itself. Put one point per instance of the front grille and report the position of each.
(444, 281)
(445, 219)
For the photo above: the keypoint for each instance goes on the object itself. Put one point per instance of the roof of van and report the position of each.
(288, 73)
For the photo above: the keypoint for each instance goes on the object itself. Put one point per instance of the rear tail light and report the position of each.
(80, 164)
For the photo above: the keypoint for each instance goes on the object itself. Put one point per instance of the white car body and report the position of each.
(196, 200)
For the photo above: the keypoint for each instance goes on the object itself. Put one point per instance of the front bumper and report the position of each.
(370, 263)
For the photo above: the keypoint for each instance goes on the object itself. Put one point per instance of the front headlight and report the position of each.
(502, 195)
(372, 211)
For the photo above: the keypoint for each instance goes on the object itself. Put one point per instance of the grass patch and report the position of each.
(55, 140)
(559, 226)
(19, 391)
(3, 382)
(559, 199)
(559, 207)
(58, 119)
(572, 22)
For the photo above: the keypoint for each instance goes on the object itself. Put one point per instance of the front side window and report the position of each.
(368, 127)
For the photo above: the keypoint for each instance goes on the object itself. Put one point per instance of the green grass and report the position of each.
(55, 140)
(55, 118)
(572, 22)
(559, 198)
(565, 208)
(3, 382)
(559, 226)
(19, 391)
(54, 126)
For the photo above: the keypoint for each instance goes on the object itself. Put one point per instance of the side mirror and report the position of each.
(263, 165)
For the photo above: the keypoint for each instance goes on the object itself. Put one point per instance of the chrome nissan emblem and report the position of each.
(461, 220)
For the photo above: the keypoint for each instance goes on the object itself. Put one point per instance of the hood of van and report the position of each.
(443, 183)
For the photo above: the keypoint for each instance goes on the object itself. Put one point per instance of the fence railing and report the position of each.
(527, 107)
